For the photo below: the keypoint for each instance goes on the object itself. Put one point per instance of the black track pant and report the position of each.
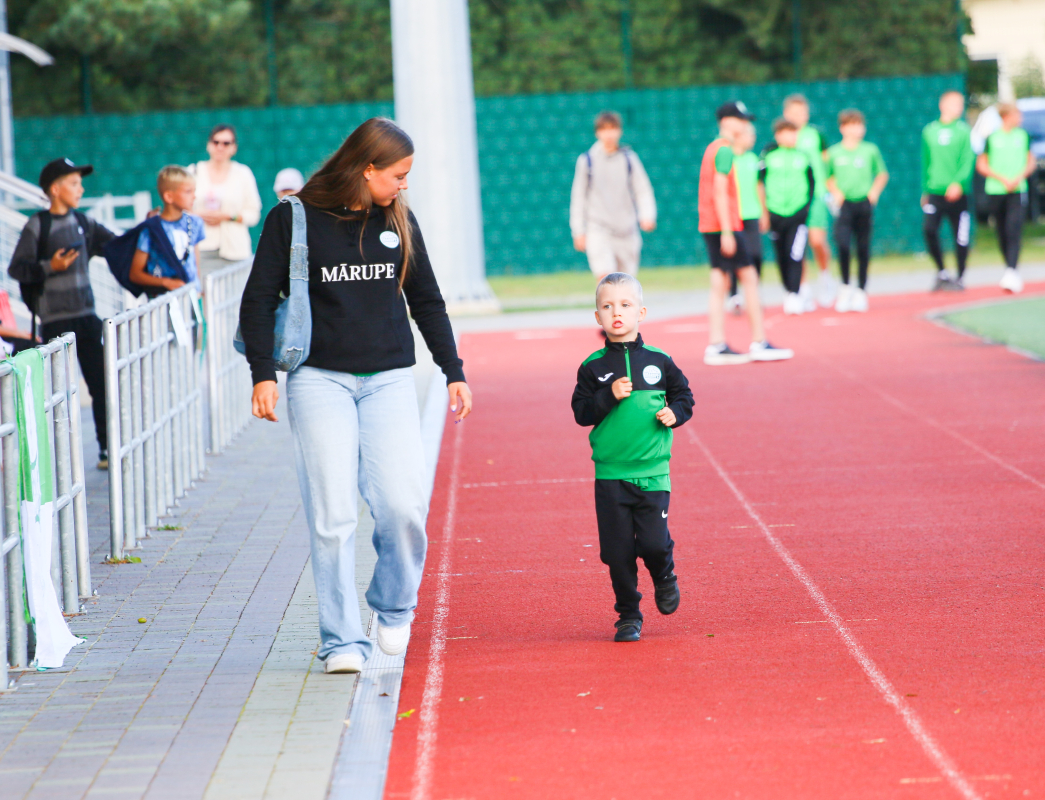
(89, 352)
(632, 524)
(854, 218)
(753, 242)
(1008, 210)
(935, 210)
(789, 235)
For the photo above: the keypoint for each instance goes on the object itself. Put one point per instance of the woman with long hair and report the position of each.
(352, 404)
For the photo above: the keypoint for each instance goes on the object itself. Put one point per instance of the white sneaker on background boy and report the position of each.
(722, 355)
(764, 351)
(805, 292)
(845, 299)
(793, 303)
(859, 302)
(826, 289)
(1011, 281)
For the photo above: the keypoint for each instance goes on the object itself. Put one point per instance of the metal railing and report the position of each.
(228, 375)
(155, 413)
(70, 553)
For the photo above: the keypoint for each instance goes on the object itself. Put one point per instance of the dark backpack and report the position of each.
(32, 291)
(119, 252)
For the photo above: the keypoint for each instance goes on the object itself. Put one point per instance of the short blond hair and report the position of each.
(172, 176)
(1004, 109)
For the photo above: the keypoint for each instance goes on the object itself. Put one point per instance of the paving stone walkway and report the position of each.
(218, 694)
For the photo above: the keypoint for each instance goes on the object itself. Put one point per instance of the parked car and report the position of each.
(1033, 109)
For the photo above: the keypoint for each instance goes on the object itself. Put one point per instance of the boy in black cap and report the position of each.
(52, 256)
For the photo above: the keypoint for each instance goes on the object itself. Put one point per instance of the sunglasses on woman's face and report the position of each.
(222, 142)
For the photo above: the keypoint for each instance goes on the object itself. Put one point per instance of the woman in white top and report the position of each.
(228, 201)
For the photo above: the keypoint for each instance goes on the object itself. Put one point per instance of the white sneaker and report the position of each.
(792, 303)
(1011, 281)
(805, 292)
(735, 304)
(844, 302)
(826, 289)
(345, 662)
(393, 641)
(722, 355)
(764, 351)
(859, 302)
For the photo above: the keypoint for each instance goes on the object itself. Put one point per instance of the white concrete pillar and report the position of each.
(435, 105)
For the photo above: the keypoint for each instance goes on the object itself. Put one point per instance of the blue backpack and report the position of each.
(119, 252)
(293, 333)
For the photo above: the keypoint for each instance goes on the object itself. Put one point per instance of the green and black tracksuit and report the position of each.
(855, 171)
(631, 449)
(789, 180)
(1007, 155)
(946, 158)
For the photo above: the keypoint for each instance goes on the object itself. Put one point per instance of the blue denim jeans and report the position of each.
(351, 431)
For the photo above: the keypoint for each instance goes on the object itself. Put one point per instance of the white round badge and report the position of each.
(651, 374)
(389, 239)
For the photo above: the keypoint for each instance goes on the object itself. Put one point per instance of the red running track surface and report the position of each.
(899, 465)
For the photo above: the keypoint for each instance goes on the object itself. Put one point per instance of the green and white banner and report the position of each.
(36, 492)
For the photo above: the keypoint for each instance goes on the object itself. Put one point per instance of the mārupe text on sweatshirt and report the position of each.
(946, 156)
(359, 314)
(789, 179)
(854, 170)
(628, 442)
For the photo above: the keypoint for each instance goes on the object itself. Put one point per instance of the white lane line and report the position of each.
(429, 716)
(917, 729)
(942, 428)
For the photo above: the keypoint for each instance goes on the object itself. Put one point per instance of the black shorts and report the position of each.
(740, 259)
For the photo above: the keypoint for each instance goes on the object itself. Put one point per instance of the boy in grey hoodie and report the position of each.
(611, 200)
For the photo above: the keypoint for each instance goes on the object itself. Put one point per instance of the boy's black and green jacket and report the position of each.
(628, 441)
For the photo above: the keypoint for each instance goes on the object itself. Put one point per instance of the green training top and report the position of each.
(746, 166)
(946, 156)
(723, 160)
(789, 179)
(813, 144)
(1007, 154)
(855, 170)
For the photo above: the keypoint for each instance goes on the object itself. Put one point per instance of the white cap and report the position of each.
(288, 179)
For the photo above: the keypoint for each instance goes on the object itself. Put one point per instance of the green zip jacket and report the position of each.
(946, 156)
(789, 178)
(628, 441)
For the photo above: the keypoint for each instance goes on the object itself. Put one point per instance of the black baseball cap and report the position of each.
(736, 109)
(59, 168)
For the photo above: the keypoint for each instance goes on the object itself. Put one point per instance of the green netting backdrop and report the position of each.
(528, 146)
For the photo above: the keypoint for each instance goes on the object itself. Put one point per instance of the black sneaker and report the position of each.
(943, 282)
(722, 355)
(666, 595)
(628, 630)
(103, 459)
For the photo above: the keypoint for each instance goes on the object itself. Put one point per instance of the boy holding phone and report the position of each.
(53, 253)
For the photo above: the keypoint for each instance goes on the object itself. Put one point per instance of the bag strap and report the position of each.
(298, 241)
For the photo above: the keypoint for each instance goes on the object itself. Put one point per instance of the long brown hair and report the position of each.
(339, 184)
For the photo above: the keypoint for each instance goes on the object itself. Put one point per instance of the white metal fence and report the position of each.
(228, 374)
(70, 553)
(154, 412)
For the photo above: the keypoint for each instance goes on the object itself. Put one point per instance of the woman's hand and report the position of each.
(214, 217)
(460, 399)
(266, 393)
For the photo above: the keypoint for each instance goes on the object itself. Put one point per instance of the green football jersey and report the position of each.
(813, 144)
(946, 156)
(789, 179)
(745, 168)
(1007, 155)
(854, 170)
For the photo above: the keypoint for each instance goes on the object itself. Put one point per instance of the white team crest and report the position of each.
(651, 374)
(389, 239)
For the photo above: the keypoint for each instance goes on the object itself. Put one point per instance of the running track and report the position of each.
(859, 546)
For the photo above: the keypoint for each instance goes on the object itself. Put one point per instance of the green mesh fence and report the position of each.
(528, 146)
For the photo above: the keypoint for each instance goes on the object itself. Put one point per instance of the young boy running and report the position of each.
(1007, 162)
(745, 167)
(185, 231)
(611, 200)
(856, 176)
(947, 163)
(719, 221)
(633, 395)
(812, 142)
(785, 186)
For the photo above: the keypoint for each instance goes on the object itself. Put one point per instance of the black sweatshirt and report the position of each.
(359, 319)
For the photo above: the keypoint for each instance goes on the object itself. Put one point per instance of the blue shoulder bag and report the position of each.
(293, 334)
